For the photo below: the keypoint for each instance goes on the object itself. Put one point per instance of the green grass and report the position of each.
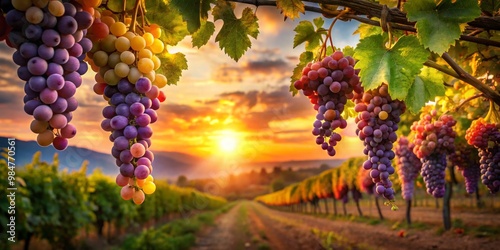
(178, 234)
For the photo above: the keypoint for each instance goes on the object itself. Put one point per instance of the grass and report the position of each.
(178, 234)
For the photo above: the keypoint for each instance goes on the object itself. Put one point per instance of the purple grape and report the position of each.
(59, 106)
(37, 83)
(28, 50)
(46, 52)
(141, 172)
(130, 132)
(143, 85)
(118, 122)
(127, 170)
(68, 90)
(51, 38)
(42, 113)
(55, 82)
(67, 25)
(54, 68)
(137, 109)
(61, 56)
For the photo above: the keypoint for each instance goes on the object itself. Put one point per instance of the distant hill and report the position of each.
(167, 165)
(73, 157)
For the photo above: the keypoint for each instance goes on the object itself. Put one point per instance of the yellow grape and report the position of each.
(129, 35)
(145, 53)
(137, 43)
(122, 69)
(156, 62)
(128, 20)
(100, 58)
(21, 5)
(149, 38)
(56, 8)
(127, 57)
(122, 44)
(157, 47)
(114, 59)
(151, 75)
(118, 29)
(127, 192)
(40, 3)
(91, 3)
(108, 43)
(34, 15)
(45, 138)
(383, 115)
(149, 187)
(133, 75)
(109, 21)
(140, 183)
(160, 81)
(38, 127)
(145, 65)
(149, 178)
(139, 197)
(137, 150)
(155, 30)
(103, 69)
(111, 78)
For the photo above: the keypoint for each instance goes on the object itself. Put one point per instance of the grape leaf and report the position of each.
(306, 33)
(304, 58)
(397, 66)
(348, 51)
(438, 26)
(201, 36)
(174, 29)
(427, 85)
(233, 36)
(117, 5)
(291, 8)
(172, 66)
(191, 11)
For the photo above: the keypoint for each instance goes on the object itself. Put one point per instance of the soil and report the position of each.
(260, 227)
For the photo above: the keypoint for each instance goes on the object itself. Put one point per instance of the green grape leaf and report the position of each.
(366, 30)
(305, 33)
(172, 66)
(117, 5)
(397, 66)
(304, 58)
(490, 5)
(174, 29)
(438, 26)
(318, 22)
(201, 36)
(291, 8)
(191, 11)
(233, 36)
(348, 51)
(427, 85)
(349, 111)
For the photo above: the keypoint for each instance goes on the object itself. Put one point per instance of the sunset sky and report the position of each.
(220, 107)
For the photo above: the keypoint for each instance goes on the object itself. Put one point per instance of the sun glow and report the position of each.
(228, 141)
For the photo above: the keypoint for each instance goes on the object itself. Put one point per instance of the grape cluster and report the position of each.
(329, 84)
(377, 123)
(408, 166)
(125, 63)
(486, 138)
(50, 43)
(465, 158)
(434, 139)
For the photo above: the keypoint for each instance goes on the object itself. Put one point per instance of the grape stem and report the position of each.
(465, 102)
(322, 52)
(134, 17)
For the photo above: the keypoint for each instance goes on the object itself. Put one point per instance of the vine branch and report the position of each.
(397, 18)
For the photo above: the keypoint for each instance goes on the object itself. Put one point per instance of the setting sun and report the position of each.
(228, 141)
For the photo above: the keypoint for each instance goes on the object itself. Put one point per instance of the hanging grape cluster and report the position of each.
(329, 83)
(485, 137)
(377, 123)
(465, 158)
(408, 166)
(125, 62)
(434, 139)
(50, 42)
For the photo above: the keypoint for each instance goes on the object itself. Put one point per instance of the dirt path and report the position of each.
(251, 225)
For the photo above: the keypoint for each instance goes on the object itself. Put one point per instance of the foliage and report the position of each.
(55, 205)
